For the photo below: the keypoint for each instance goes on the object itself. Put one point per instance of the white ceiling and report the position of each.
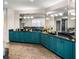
(37, 6)
(27, 4)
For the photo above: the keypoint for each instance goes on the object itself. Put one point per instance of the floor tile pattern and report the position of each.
(30, 51)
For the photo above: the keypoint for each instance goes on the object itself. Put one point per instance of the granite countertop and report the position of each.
(73, 40)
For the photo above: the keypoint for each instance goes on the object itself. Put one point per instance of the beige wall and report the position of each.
(51, 22)
(16, 20)
(10, 18)
(71, 21)
(11, 21)
(71, 6)
(5, 30)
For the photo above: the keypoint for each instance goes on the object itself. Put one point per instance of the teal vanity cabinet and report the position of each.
(47, 41)
(16, 38)
(73, 50)
(26, 37)
(53, 44)
(31, 37)
(61, 46)
(43, 39)
(36, 37)
(11, 36)
(21, 36)
(69, 49)
(56, 45)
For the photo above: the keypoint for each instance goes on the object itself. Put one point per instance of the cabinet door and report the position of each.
(73, 50)
(60, 47)
(28, 37)
(68, 50)
(21, 36)
(48, 41)
(11, 36)
(36, 37)
(43, 39)
(17, 36)
(53, 46)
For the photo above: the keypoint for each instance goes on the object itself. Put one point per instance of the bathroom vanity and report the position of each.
(63, 47)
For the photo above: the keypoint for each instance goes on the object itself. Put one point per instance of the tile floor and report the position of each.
(29, 51)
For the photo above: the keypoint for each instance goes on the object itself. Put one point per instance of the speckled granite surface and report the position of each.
(29, 51)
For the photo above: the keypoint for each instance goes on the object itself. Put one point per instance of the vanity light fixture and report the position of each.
(56, 14)
(20, 17)
(51, 15)
(25, 17)
(5, 2)
(47, 18)
(65, 8)
(28, 17)
(31, 0)
(50, 12)
(31, 17)
(71, 11)
(60, 14)
(73, 14)
(73, 18)
(65, 17)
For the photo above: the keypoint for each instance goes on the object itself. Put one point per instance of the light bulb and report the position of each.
(60, 14)
(31, 17)
(31, 0)
(56, 14)
(52, 15)
(25, 17)
(5, 2)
